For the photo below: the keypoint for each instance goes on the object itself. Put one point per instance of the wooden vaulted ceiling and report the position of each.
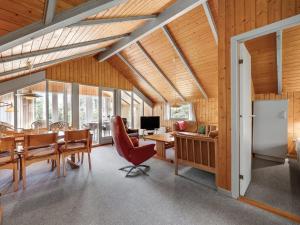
(191, 32)
(193, 35)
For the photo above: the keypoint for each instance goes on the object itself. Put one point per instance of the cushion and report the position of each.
(73, 146)
(181, 125)
(213, 134)
(37, 152)
(201, 129)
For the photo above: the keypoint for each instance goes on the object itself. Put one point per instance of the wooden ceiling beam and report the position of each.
(136, 72)
(211, 21)
(55, 61)
(159, 70)
(112, 20)
(279, 61)
(174, 11)
(49, 11)
(184, 60)
(60, 20)
(57, 49)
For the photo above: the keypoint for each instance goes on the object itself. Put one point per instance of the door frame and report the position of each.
(235, 87)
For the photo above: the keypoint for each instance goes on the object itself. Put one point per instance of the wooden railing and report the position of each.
(196, 150)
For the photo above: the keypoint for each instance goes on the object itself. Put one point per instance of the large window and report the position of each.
(59, 102)
(137, 111)
(107, 112)
(89, 110)
(7, 110)
(182, 112)
(31, 105)
(126, 106)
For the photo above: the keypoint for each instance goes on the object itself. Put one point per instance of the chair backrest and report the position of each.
(39, 124)
(7, 144)
(122, 141)
(60, 125)
(33, 141)
(77, 135)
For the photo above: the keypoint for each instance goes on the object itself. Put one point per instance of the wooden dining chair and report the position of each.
(76, 141)
(8, 158)
(40, 147)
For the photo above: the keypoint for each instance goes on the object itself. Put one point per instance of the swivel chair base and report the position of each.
(133, 171)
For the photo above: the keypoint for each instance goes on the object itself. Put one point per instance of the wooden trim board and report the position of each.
(270, 209)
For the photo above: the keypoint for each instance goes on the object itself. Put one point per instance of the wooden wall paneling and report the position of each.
(84, 69)
(229, 26)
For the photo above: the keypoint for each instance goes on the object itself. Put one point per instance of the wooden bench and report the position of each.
(196, 150)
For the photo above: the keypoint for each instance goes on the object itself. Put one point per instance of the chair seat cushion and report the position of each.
(38, 152)
(73, 146)
(5, 157)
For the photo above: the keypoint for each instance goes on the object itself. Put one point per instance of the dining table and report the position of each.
(20, 134)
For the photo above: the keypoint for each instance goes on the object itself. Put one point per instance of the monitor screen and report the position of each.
(150, 122)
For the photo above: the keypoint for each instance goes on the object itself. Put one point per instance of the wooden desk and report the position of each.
(163, 142)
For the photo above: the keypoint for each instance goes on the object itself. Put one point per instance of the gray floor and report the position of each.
(276, 184)
(104, 196)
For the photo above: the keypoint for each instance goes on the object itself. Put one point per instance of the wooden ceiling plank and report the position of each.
(57, 49)
(49, 11)
(184, 60)
(279, 61)
(47, 63)
(164, 76)
(61, 20)
(112, 20)
(211, 21)
(176, 10)
(135, 71)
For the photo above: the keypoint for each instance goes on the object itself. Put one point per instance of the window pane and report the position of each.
(107, 112)
(137, 110)
(32, 109)
(126, 106)
(59, 102)
(89, 110)
(181, 112)
(147, 109)
(7, 110)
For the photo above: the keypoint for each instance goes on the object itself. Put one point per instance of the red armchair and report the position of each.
(126, 149)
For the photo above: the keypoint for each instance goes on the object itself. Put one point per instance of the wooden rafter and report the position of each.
(176, 10)
(158, 69)
(55, 61)
(211, 21)
(61, 48)
(49, 11)
(136, 72)
(184, 60)
(61, 20)
(112, 20)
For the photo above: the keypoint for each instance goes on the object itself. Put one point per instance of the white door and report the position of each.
(270, 129)
(245, 120)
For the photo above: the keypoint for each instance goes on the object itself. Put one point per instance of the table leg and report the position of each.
(72, 162)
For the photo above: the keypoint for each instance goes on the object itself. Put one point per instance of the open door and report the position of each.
(245, 120)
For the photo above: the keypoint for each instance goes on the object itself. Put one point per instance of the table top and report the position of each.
(166, 137)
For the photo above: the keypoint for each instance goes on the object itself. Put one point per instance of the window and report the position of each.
(89, 110)
(147, 109)
(59, 102)
(137, 111)
(107, 112)
(126, 106)
(182, 112)
(7, 110)
(31, 105)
